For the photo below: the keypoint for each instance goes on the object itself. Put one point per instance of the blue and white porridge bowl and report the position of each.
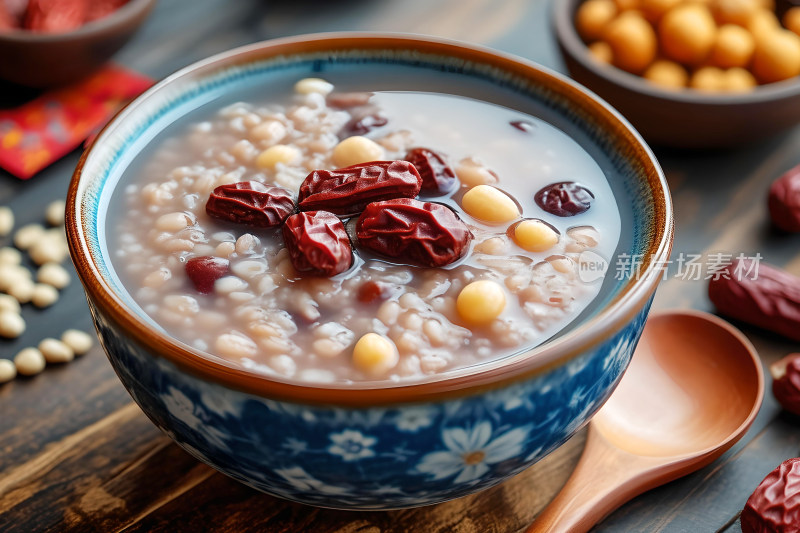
(387, 445)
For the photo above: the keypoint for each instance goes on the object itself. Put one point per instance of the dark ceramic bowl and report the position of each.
(36, 59)
(368, 445)
(683, 119)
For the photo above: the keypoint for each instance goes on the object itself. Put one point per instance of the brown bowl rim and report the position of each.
(615, 315)
(567, 36)
(128, 11)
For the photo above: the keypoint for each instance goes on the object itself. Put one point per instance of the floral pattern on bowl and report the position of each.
(373, 458)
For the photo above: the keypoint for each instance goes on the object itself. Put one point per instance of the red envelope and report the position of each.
(37, 133)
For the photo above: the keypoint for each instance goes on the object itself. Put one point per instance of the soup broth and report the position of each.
(263, 314)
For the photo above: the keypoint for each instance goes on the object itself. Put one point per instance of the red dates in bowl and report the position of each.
(250, 203)
(346, 191)
(317, 243)
(437, 176)
(564, 199)
(421, 233)
(204, 271)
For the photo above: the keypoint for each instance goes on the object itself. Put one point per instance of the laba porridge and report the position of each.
(346, 236)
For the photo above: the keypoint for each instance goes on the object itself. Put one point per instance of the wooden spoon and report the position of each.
(693, 388)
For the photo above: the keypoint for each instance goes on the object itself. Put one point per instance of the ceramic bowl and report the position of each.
(37, 59)
(385, 446)
(682, 119)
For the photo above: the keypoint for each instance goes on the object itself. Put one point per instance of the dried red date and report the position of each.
(250, 203)
(759, 294)
(786, 382)
(564, 199)
(346, 191)
(317, 243)
(525, 126)
(204, 271)
(371, 291)
(361, 125)
(420, 233)
(774, 507)
(784, 201)
(437, 176)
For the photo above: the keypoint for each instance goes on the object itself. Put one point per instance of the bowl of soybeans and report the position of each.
(688, 73)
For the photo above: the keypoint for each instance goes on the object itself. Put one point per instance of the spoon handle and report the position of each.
(604, 479)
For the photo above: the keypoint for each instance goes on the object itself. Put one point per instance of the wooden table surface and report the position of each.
(77, 455)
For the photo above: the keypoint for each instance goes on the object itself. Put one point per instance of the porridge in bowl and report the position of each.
(332, 235)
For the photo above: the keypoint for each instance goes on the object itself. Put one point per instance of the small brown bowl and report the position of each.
(36, 59)
(679, 118)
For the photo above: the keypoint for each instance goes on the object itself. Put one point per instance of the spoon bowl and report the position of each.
(692, 390)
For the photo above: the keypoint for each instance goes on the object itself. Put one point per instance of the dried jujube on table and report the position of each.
(204, 271)
(250, 203)
(564, 199)
(317, 243)
(784, 201)
(420, 233)
(759, 294)
(786, 382)
(437, 176)
(346, 191)
(774, 507)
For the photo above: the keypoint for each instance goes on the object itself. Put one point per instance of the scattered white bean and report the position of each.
(55, 212)
(10, 256)
(80, 341)
(49, 249)
(9, 303)
(22, 290)
(44, 295)
(55, 351)
(28, 235)
(53, 274)
(6, 220)
(12, 274)
(29, 361)
(7, 370)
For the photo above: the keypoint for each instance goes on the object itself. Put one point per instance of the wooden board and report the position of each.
(77, 455)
